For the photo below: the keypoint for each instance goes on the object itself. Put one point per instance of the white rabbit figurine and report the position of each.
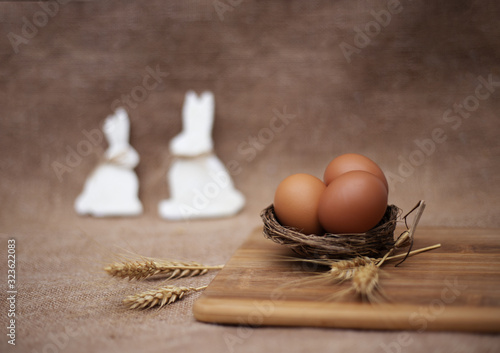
(112, 188)
(200, 185)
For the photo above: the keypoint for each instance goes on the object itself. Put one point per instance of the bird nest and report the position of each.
(373, 243)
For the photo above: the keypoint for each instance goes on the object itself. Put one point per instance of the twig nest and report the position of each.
(373, 243)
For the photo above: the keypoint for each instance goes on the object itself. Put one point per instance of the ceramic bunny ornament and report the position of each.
(200, 185)
(112, 188)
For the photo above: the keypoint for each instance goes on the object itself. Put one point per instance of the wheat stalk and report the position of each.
(365, 273)
(340, 271)
(343, 270)
(362, 271)
(158, 297)
(365, 283)
(147, 267)
(412, 253)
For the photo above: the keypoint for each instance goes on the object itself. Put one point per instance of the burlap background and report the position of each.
(63, 68)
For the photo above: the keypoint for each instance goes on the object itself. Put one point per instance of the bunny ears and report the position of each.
(197, 121)
(206, 98)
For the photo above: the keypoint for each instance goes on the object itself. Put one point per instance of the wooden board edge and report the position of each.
(346, 315)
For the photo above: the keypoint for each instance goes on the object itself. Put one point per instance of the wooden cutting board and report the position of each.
(455, 287)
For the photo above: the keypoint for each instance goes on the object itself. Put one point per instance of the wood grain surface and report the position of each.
(455, 287)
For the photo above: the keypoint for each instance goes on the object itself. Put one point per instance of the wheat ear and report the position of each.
(343, 270)
(147, 267)
(365, 283)
(340, 271)
(158, 297)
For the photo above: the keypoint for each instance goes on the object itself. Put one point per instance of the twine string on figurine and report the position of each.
(184, 156)
(116, 160)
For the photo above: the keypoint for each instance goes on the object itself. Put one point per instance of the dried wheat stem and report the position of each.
(365, 278)
(403, 240)
(158, 297)
(330, 262)
(411, 253)
(343, 270)
(363, 273)
(147, 267)
(414, 252)
(365, 282)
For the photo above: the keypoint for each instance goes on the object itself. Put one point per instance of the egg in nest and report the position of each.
(296, 202)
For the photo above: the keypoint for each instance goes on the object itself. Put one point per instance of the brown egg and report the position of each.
(354, 202)
(296, 202)
(349, 162)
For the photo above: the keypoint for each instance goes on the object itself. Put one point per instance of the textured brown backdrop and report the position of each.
(63, 68)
